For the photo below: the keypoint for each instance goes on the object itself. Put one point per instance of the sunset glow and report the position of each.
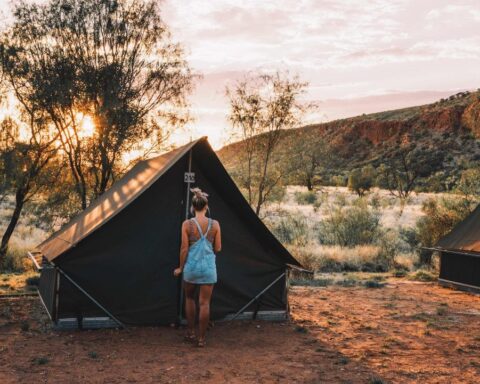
(87, 126)
(358, 56)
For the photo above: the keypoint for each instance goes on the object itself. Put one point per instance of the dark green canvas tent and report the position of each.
(114, 262)
(460, 255)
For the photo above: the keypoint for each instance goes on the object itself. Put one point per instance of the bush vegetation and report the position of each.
(350, 226)
(291, 230)
(306, 198)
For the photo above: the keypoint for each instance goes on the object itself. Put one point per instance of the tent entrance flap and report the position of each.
(90, 297)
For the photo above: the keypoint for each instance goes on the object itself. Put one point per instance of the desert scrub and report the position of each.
(16, 261)
(423, 275)
(291, 229)
(42, 360)
(362, 258)
(312, 282)
(399, 273)
(350, 226)
(306, 198)
(389, 245)
(305, 257)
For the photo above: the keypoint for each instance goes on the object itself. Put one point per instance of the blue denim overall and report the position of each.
(200, 265)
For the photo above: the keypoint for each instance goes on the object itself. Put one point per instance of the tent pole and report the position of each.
(90, 297)
(187, 203)
(256, 297)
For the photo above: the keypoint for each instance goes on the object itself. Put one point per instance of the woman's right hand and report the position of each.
(177, 272)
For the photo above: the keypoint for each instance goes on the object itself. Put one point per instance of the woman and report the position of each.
(200, 239)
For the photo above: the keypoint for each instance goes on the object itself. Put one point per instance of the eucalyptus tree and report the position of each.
(262, 106)
(27, 156)
(112, 61)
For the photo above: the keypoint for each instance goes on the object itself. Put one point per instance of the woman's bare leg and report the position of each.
(190, 307)
(204, 301)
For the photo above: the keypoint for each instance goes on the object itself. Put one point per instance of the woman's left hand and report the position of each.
(177, 272)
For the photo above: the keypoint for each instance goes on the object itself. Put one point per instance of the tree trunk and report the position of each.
(425, 257)
(19, 202)
(309, 184)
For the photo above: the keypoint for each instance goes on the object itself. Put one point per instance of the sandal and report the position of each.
(190, 337)
(201, 343)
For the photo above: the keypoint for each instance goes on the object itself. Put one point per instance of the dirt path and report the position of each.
(402, 333)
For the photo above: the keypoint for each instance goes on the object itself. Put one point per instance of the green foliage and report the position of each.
(291, 230)
(262, 107)
(42, 360)
(374, 284)
(306, 198)
(339, 180)
(13, 260)
(389, 247)
(440, 217)
(423, 275)
(361, 180)
(350, 226)
(469, 184)
(312, 282)
(399, 273)
(277, 194)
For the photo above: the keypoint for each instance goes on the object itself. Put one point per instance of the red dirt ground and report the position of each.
(404, 332)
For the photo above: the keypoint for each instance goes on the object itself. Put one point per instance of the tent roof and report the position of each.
(133, 184)
(120, 195)
(465, 237)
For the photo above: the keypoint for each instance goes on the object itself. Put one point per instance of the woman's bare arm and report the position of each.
(217, 242)
(183, 249)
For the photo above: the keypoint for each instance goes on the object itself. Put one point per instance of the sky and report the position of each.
(358, 56)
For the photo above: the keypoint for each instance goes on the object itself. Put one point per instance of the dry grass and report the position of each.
(26, 235)
(394, 215)
(16, 283)
(395, 218)
(336, 258)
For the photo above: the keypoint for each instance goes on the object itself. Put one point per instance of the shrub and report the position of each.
(347, 283)
(277, 194)
(441, 311)
(15, 260)
(291, 230)
(409, 236)
(350, 226)
(339, 180)
(301, 329)
(422, 275)
(440, 217)
(374, 284)
(306, 198)
(399, 273)
(389, 245)
(312, 282)
(361, 180)
(40, 360)
(306, 258)
(33, 281)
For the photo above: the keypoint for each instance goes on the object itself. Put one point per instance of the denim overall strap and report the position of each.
(202, 235)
